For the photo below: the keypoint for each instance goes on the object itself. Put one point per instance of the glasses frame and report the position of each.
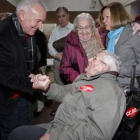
(88, 27)
(95, 58)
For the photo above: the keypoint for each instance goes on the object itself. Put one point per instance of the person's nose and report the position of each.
(84, 31)
(60, 18)
(104, 20)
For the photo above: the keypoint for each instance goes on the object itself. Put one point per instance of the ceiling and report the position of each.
(124, 2)
(13, 2)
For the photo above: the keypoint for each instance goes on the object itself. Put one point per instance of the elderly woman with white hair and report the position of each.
(81, 44)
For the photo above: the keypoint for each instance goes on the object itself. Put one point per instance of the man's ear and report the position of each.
(21, 15)
(106, 67)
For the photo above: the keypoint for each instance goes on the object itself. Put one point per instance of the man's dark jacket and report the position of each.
(13, 66)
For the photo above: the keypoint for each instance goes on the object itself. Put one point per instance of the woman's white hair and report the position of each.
(26, 5)
(112, 60)
(84, 15)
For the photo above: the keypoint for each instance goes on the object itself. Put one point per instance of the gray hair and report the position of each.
(84, 15)
(28, 4)
(62, 9)
(112, 60)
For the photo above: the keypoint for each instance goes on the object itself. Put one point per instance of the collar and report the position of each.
(67, 26)
(17, 24)
(126, 35)
(113, 73)
(105, 74)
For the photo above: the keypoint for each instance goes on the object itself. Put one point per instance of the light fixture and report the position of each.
(92, 4)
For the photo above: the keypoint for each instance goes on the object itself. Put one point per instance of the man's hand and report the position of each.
(45, 137)
(59, 56)
(135, 27)
(41, 82)
(34, 78)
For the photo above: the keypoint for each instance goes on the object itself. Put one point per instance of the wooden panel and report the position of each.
(51, 17)
(6, 7)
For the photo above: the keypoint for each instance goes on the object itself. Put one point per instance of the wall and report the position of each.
(6, 7)
(74, 8)
(51, 17)
(134, 9)
(86, 5)
(73, 5)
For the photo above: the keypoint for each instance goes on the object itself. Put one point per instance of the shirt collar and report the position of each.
(67, 26)
(107, 74)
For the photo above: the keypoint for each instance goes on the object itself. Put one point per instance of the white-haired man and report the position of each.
(18, 63)
(92, 107)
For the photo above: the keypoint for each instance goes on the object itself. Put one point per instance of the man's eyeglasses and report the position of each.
(95, 58)
(80, 28)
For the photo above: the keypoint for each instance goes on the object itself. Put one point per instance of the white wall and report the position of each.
(133, 9)
(73, 5)
(13, 2)
(86, 5)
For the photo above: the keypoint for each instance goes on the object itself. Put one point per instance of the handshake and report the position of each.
(40, 81)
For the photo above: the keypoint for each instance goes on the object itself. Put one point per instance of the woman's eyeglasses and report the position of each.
(80, 28)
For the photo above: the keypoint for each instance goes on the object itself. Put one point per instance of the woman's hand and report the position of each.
(135, 27)
(45, 137)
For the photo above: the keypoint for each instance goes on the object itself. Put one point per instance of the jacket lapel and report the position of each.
(19, 44)
(126, 35)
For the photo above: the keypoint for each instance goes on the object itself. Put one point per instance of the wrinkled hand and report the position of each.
(34, 78)
(40, 82)
(45, 137)
(31, 75)
(59, 56)
(135, 28)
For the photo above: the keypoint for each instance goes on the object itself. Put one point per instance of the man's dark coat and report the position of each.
(13, 66)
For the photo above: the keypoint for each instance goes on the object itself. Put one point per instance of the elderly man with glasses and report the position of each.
(92, 107)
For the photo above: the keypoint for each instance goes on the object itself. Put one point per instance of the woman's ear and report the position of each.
(90, 59)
